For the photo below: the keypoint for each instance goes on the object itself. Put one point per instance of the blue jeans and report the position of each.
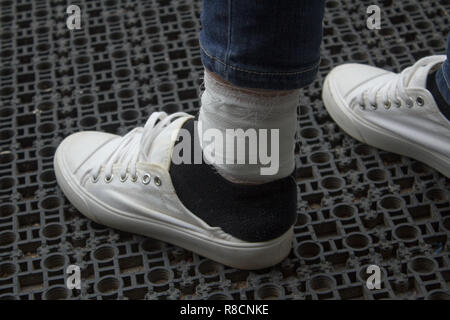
(271, 44)
(267, 44)
(443, 76)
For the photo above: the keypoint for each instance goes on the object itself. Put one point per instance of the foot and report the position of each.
(130, 183)
(393, 112)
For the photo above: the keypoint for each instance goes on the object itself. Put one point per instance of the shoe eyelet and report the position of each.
(123, 179)
(94, 179)
(373, 106)
(387, 104)
(108, 180)
(134, 179)
(420, 101)
(158, 181)
(410, 103)
(146, 178)
(398, 103)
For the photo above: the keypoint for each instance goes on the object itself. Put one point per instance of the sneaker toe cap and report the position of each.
(345, 78)
(81, 146)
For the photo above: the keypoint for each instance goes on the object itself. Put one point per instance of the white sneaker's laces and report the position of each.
(392, 91)
(134, 145)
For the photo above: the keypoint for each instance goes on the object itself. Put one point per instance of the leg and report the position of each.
(257, 54)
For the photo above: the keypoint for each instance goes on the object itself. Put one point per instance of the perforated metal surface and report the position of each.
(358, 205)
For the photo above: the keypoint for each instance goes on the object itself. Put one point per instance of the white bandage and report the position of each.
(247, 136)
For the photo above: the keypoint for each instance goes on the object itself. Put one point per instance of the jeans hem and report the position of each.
(247, 78)
(442, 83)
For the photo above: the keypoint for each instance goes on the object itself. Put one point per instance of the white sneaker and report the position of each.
(390, 111)
(125, 183)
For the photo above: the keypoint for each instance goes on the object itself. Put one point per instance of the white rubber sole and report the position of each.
(367, 133)
(241, 255)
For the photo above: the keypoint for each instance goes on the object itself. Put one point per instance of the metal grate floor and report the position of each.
(358, 205)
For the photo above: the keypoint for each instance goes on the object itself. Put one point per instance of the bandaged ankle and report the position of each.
(248, 136)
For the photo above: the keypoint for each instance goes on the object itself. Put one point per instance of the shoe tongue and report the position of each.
(418, 77)
(161, 148)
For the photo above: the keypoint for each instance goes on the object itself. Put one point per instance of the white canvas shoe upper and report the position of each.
(369, 102)
(129, 173)
(110, 155)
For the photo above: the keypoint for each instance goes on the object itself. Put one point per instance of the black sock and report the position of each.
(248, 212)
(443, 106)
